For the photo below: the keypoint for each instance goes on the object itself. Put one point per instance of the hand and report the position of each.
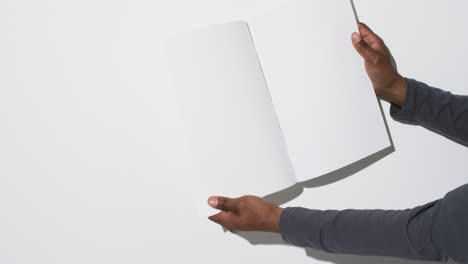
(247, 213)
(380, 66)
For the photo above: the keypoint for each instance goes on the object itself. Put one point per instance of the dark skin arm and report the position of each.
(251, 213)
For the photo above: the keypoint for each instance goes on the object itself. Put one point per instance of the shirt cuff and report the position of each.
(303, 227)
(406, 114)
(293, 231)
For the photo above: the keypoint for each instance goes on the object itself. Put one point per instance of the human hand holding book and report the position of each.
(380, 66)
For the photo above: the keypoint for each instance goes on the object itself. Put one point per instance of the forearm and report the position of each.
(434, 109)
(404, 233)
(395, 92)
(436, 231)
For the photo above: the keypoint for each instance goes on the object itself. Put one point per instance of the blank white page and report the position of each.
(325, 103)
(235, 143)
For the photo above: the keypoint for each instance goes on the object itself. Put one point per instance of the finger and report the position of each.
(369, 54)
(364, 29)
(224, 218)
(372, 39)
(223, 203)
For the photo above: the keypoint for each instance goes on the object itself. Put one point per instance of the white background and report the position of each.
(88, 136)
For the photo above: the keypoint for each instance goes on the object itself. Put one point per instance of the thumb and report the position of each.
(223, 203)
(364, 49)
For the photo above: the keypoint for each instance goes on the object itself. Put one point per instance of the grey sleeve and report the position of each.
(434, 109)
(433, 232)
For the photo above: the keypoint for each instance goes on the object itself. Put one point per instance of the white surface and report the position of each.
(234, 141)
(86, 129)
(325, 103)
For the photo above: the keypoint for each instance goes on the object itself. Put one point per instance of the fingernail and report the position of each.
(356, 37)
(213, 202)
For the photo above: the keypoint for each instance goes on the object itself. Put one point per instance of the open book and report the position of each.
(279, 99)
